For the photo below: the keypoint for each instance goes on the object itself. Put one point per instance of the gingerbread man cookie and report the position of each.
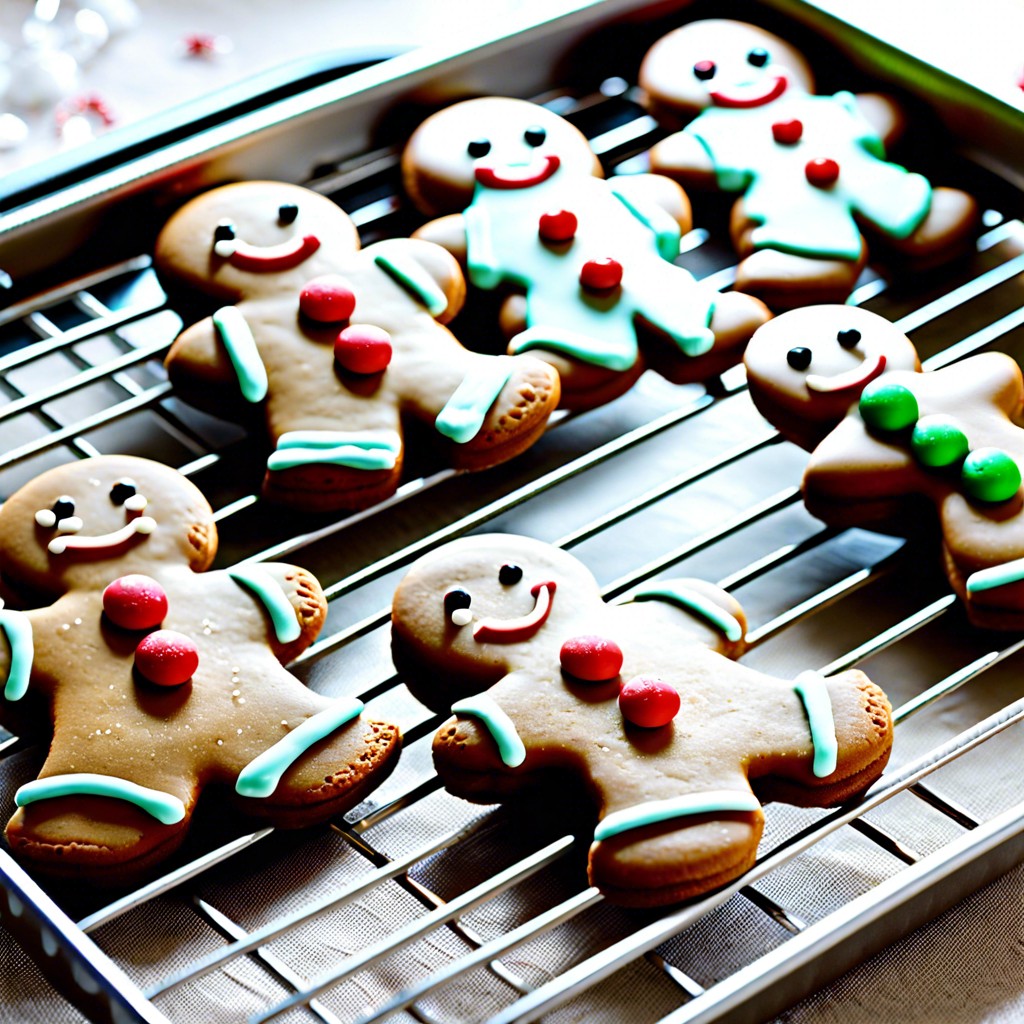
(590, 260)
(811, 169)
(888, 440)
(671, 738)
(338, 345)
(161, 678)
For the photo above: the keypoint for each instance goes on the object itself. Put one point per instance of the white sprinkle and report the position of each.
(220, 743)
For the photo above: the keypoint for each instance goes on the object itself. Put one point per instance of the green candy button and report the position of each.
(888, 406)
(989, 474)
(938, 441)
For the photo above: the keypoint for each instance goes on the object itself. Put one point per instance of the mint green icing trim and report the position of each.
(696, 602)
(266, 588)
(996, 576)
(499, 725)
(481, 263)
(463, 414)
(813, 692)
(329, 447)
(259, 778)
(571, 343)
(715, 801)
(660, 221)
(411, 276)
(167, 809)
(18, 631)
(237, 338)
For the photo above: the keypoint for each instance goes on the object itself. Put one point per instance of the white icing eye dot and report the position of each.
(145, 524)
(136, 503)
(462, 617)
(70, 525)
(45, 518)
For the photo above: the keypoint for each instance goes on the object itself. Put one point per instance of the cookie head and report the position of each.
(254, 238)
(80, 524)
(492, 142)
(812, 364)
(719, 63)
(492, 604)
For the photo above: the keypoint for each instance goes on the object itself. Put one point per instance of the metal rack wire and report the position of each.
(79, 374)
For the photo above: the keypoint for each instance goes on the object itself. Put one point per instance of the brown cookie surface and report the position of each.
(639, 702)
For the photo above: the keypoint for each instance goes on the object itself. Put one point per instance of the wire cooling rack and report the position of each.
(418, 906)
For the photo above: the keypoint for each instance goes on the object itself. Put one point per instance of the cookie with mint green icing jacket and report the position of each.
(638, 706)
(893, 446)
(337, 350)
(157, 678)
(811, 170)
(585, 264)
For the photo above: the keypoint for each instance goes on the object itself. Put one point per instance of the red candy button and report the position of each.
(648, 702)
(135, 602)
(327, 299)
(363, 348)
(557, 226)
(822, 172)
(600, 275)
(167, 658)
(787, 132)
(591, 658)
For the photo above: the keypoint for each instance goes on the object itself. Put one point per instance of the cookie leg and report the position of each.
(786, 281)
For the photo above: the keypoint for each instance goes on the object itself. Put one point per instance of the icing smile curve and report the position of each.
(106, 542)
(511, 631)
(752, 95)
(851, 380)
(268, 259)
(516, 175)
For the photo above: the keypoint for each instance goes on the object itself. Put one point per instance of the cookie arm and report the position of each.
(659, 204)
(683, 158)
(447, 232)
(216, 352)
(17, 653)
(429, 272)
(883, 114)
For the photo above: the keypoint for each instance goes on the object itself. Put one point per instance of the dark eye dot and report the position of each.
(478, 148)
(456, 599)
(224, 231)
(535, 135)
(799, 358)
(704, 69)
(287, 212)
(758, 57)
(509, 574)
(122, 491)
(63, 507)
(848, 339)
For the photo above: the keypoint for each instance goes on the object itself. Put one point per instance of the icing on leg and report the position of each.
(715, 801)
(236, 337)
(167, 809)
(367, 450)
(463, 414)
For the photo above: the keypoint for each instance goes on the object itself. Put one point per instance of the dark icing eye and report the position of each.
(63, 508)
(758, 57)
(535, 135)
(799, 358)
(478, 148)
(287, 212)
(509, 574)
(224, 231)
(122, 491)
(456, 599)
(704, 69)
(848, 339)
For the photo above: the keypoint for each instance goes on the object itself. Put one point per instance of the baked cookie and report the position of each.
(589, 260)
(890, 442)
(337, 345)
(811, 170)
(161, 678)
(638, 701)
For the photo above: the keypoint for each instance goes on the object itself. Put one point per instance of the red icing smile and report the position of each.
(515, 176)
(269, 259)
(853, 380)
(756, 95)
(512, 631)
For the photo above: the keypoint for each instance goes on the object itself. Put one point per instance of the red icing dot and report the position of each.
(591, 658)
(822, 172)
(167, 658)
(601, 274)
(363, 348)
(648, 702)
(557, 226)
(787, 132)
(327, 299)
(135, 602)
